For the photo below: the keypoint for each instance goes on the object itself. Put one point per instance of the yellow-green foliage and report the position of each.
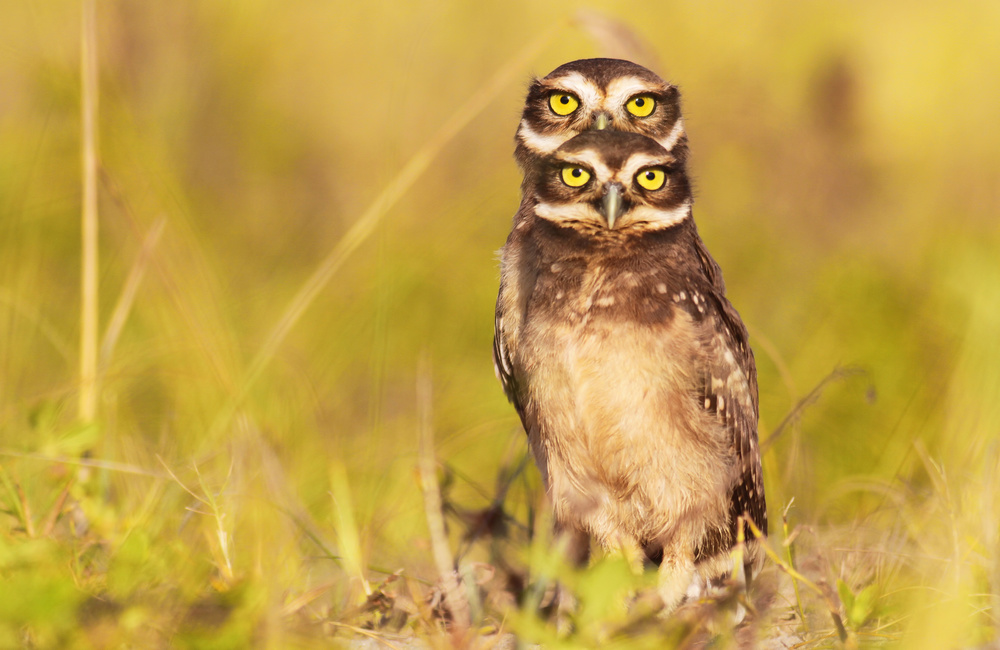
(332, 180)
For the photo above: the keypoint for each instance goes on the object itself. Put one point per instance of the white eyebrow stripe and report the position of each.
(593, 160)
(568, 212)
(584, 89)
(539, 142)
(675, 134)
(656, 216)
(637, 162)
(620, 90)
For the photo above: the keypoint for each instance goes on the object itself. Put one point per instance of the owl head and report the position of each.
(601, 182)
(596, 94)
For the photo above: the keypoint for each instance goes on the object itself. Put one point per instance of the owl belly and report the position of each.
(627, 454)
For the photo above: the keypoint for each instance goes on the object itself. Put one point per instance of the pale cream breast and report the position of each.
(624, 451)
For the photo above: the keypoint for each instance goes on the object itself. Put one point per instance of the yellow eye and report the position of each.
(575, 176)
(641, 105)
(651, 178)
(563, 103)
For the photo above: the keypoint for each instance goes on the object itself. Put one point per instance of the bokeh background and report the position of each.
(846, 159)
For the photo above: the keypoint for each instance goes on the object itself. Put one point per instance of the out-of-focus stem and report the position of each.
(87, 406)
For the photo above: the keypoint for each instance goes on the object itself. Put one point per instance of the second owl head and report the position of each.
(611, 180)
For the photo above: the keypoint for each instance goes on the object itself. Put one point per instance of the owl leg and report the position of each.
(577, 544)
(676, 575)
(722, 581)
(633, 553)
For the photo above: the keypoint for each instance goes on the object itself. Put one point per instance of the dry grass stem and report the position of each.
(95, 463)
(790, 553)
(170, 277)
(616, 39)
(303, 600)
(796, 413)
(828, 599)
(29, 311)
(29, 519)
(383, 203)
(223, 540)
(128, 293)
(56, 510)
(347, 528)
(455, 598)
(87, 407)
(761, 342)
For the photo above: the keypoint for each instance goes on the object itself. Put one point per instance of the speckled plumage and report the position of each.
(630, 369)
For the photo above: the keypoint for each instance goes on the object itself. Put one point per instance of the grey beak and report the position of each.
(602, 121)
(612, 204)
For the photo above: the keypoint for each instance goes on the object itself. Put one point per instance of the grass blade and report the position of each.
(87, 407)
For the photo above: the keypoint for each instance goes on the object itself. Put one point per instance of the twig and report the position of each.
(808, 400)
(830, 604)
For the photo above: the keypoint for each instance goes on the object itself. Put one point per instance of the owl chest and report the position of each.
(621, 443)
(612, 362)
(578, 293)
(607, 382)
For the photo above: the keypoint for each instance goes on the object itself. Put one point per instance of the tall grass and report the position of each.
(299, 202)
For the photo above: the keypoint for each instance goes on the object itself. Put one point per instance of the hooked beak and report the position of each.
(602, 121)
(612, 204)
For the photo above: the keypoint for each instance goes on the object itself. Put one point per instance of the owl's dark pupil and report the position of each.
(639, 101)
(577, 173)
(650, 176)
(564, 99)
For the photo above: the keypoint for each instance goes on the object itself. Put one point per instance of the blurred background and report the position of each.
(847, 168)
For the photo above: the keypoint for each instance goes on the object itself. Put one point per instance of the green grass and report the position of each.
(299, 209)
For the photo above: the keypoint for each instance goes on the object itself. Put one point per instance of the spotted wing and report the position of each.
(732, 358)
(729, 391)
(502, 365)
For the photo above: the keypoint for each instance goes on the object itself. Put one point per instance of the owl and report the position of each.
(629, 368)
(596, 94)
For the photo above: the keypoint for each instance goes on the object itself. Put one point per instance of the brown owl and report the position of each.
(596, 94)
(629, 368)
